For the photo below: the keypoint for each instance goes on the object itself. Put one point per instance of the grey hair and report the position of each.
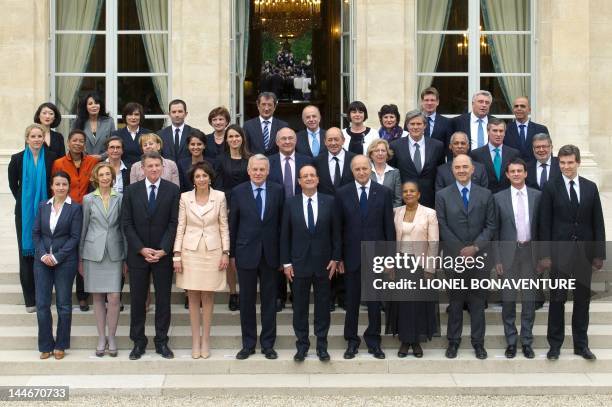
(484, 93)
(267, 95)
(464, 155)
(415, 113)
(459, 133)
(258, 157)
(541, 137)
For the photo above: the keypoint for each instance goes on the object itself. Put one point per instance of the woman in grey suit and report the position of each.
(102, 254)
(95, 122)
(382, 173)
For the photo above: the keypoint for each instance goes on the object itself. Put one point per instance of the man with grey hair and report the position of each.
(255, 222)
(544, 167)
(261, 131)
(520, 130)
(459, 144)
(311, 140)
(474, 123)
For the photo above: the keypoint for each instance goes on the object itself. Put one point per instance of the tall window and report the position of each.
(467, 45)
(118, 48)
(347, 56)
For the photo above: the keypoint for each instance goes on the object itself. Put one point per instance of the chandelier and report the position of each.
(462, 45)
(287, 18)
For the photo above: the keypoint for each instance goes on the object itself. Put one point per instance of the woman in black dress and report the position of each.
(218, 118)
(48, 115)
(197, 144)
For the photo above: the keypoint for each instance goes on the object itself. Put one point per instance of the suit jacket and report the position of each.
(252, 238)
(254, 135)
(321, 163)
(102, 229)
(393, 182)
(131, 147)
(15, 172)
(462, 123)
(532, 172)
(377, 226)
(57, 144)
(424, 235)
(167, 137)
(513, 140)
(276, 172)
(213, 150)
(212, 227)
(442, 130)
(310, 253)
(303, 145)
(155, 230)
(95, 145)
(445, 177)
(560, 225)
(504, 247)
(434, 156)
(460, 228)
(65, 238)
(183, 167)
(483, 156)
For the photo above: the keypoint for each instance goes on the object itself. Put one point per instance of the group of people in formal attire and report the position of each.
(264, 207)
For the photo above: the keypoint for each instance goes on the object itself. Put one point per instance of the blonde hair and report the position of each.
(375, 144)
(151, 136)
(32, 127)
(94, 173)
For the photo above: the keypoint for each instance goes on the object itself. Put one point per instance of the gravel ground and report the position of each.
(284, 401)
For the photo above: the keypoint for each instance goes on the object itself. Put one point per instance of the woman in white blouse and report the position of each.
(382, 173)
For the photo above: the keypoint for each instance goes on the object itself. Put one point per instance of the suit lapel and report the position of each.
(325, 175)
(97, 202)
(508, 204)
(182, 145)
(63, 216)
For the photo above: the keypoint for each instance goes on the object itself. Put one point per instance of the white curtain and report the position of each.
(510, 53)
(433, 16)
(243, 26)
(73, 50)
(153, 15)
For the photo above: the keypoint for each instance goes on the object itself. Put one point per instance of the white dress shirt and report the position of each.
(474, 129)
(539, 169)
(118, 186)
(181, 127)
(576, 186)
(317, 134)
(261, 124)
(332, 163)
(367, 188)
(283, 159)
(54, 217)
(381, 178)
(135, 133)
(421, 143)
(492, 152)
(514, 195)
(315, 207)
(148, 185)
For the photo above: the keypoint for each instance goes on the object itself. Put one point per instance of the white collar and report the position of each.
(388, 168)
(516, 190)
(340, 155)
(149, 183)
(476, 118)
(367, 185)
(283, 156)
(526, 124)
(181, 127)
(305, 197)
(261, 120)
(68, 200)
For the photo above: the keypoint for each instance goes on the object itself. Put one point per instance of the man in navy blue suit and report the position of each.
(545, 167)
(365, 209)
(261, 130)
(174, 136)
(255, 220)
(310, 252)
(474, 123)
(438, 126)
(520, 131)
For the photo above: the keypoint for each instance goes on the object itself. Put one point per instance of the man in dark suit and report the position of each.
(417, 157)
(495, 156)
(459, 144)
(311, 140)
(520, 131)
(365, 209)
(174, 136)
(438, 126)
(261, 131)
(466, 218)
(545, 167)
(474, 123)
(150, 218)
(572, 227)
(515, 255)
(255, 220)
(310, 252)
(284, 169)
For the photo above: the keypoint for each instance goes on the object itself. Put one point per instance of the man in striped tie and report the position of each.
(261, 131)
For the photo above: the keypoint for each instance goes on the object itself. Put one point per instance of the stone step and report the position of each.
(223, 336)
(222, 361)
(319, 384)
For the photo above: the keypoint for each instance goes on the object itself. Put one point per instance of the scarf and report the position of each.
(395, 133)
(33, 191)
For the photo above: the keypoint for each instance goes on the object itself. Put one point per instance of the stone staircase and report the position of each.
(222, 374)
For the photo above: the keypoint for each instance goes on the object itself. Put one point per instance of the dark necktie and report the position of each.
(464, 196)
(417, 158)
(337, 175)
(573, 196)
(430, 126)
(266, 134)
(363, 203)
(288, 179)
(522, 134)
(311, 221)
(259, 202)
(543, 176)
(177, 142)
(151, 205)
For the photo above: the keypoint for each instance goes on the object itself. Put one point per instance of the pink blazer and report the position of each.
(423, 236)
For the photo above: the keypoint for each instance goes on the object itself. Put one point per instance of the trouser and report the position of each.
(80, 288)
(301, 297)
(371, 336)
(282, 287)
(26, 270)
(338, 289)
(475, 300)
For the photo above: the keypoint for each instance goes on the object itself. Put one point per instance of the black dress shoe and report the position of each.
(332, 307)
(377, 352)
(403, 350)
(539, 305)
(323, 355)
(528, 352)
(137, 352)
(300, 355)
(270, 353)
(164, 351)
(510, 351)
(585, 353)
(553, 354)
(84, 307)
(451, 351)
(186, 302)
(481, 353)
(350, 352)
(279, 305)
(234, 302)
(244, 353)
(121, 308)
(417, 351)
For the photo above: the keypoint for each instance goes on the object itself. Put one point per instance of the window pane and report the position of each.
(80, 15)
(452, 57)
(143, 14)
(505, 90)
(346, 54)
(453, 92)
(69, 89)
(506, 15)
(132, 53)
(80, 53)
(509, 53)
(346, 15)
(442, 15)
(141, 90)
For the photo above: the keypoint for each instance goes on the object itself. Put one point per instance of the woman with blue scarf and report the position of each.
(29, 173)
(390, 129)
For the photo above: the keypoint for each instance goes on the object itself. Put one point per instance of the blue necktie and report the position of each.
(311, 221)
(259, 202)
(315, 144)
(480, 134)
(430, 125)
(363, 203)
(464, 196)
(522, 134)
(288, 179)
(266, 134)
(151, 205)
(497, 163)
(543, 176)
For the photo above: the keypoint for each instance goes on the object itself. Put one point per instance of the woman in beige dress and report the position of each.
(201, 252)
